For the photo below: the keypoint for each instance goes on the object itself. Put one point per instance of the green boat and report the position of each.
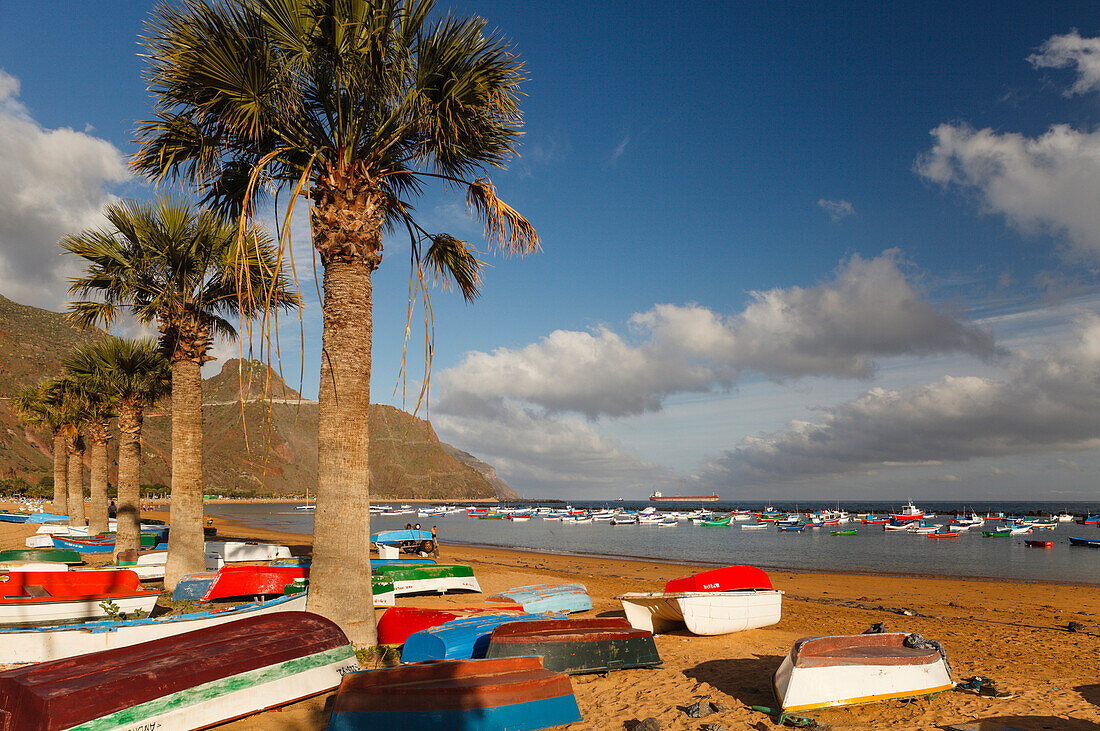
(490, 517)
(851, 532)
(429, 578)
(996, 533)
(381, 588)
(720, 521)
(51, 555)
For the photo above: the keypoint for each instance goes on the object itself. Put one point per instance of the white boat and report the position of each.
(33, 566)
(668, 523)
(40, 540)
(754, 526)
(624, 520)
(1019, 530)
(702, 612)
(40, 644)
(1064, 517)
(820, 672)
(221, 552)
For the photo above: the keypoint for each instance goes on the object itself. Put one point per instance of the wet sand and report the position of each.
(1015, 632)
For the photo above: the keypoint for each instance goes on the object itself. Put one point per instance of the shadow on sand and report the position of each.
(748, 679)
(1091, 693)
(1024, 723)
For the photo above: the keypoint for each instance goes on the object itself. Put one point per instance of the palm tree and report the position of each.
(35, 408)
(181, 268)
(354, 104)
(72, 413)
(135, 375)
(97, 409)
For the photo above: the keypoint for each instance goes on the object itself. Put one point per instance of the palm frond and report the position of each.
(449, 260)
(504, 226)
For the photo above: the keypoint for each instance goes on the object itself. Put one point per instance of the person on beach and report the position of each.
(112, 511)
(435, 542)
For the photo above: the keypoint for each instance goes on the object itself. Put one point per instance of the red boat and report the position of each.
(874, 521)
(41, 597)
(730, 578)
(250, 581)
(950, 534)
(1039, 544)
(398, 623)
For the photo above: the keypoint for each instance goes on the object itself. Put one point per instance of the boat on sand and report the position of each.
(429, 579)
(397, 623)
(820, 672)
(193, 680)
(46, 597)
(537, 598)
(460, 638)
(513, 694)
(576, 646)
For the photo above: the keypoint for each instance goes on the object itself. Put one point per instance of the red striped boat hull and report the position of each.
(729, 578)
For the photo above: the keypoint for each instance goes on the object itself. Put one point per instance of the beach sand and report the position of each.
(1014, 632)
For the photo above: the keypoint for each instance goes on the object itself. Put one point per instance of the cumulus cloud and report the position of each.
(54, 182)
(837, 210)
(870, 309)
(1045, 184)
(1072, 51)
(1046, 404)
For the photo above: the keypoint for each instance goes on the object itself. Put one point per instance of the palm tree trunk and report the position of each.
(128, 533)
(99, 434)
(60, 504)
(75, 449)
(340, 575)
(185, 539)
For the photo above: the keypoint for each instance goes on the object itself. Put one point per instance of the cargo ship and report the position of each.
(684, 498)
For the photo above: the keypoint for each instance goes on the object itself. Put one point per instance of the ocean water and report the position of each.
(872, 550)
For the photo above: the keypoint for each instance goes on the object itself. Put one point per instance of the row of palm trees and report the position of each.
(351, 106)
(106, 379)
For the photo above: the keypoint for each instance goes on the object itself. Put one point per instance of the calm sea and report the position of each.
(872, 550)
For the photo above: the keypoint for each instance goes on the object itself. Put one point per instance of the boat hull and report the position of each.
(438, 579)
(506, 694)
(577, 646)
(727, 578)
(1094, 542)
(29, 597)
(703, 613)
(58, 555)
(866, 669)
(398, 623)
(568, 598)
(460, 639)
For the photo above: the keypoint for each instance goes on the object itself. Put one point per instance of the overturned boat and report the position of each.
(575, 646)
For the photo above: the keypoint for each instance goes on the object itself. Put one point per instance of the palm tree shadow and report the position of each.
(748, 679)
(1024, 723)
(1091, 693)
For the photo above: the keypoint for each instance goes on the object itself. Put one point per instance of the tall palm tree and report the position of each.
(97, 409)
(354, 104)
(35, 407)
(135, 375)
(181, 268)
(73, 415)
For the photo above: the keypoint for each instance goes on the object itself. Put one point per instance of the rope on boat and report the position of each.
(782, 718)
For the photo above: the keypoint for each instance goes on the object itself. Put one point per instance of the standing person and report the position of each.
(435, 542)
(112, 511)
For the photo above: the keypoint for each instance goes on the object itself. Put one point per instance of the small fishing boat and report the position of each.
(52, 555)
(717, 521)
(567, 598)
(575, 646)
(381, 590)
(997, 533)
(944, 532)
(437, 579)
(84, 545)
(909, 512)
(223, 552)
(1039, 544)
(849, 532)
(192, 680)
(754, 526)
(397, 623)
(872, 520)
(32, 566)
(14, 517)
(820, 672)
(192, 587)
(498, 694)
(46, 517)
(460, 638)
(1090, 520)
(251, 581)
(795, 527)
(31, 597)
(715, 602)
(1094, 542)
(1019, 530)
(40, 644)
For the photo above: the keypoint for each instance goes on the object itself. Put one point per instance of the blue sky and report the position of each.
(788, 251)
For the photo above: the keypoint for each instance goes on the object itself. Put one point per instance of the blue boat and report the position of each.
(192, 587)
(82, 545)
(498, 694)
(395, 537)
(46, 518)
(1094, 542)
(797, 527)
(540, 598)
(460, 638)
(14, 517)
(306, 561)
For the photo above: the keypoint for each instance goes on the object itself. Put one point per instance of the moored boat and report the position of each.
(1039, 544)
(996, 533)
(202, 678)
(30, 597)
(568, 598)
(498, 694)
(849, 532)
(820, 672)
(1075, 541)
(575, 646)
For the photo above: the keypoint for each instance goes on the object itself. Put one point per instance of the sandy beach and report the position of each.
(1014, 632)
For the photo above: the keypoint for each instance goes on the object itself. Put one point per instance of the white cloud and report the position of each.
(870, 309)
(54, 182)
(836, 209)
(1045, 184)
(620, 148)
(1048, 403)
(1072, 51)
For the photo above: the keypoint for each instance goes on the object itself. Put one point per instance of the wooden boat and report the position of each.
(251, 581)
(437, 579)
(58, 555)
(820, 672)
(575, 646)
(6, 566)
(192, 680)
(460, 638)
(996, 533)
(45, 517)
(849, 532)
(754, 526)
(1094, 542)
(193, 587)
(499, 694)
(382, 593)
(943, 533)
(14, 517)
(84, 545)
(796, 527)
(31, 597)
(398, 623)
(41, 644)
(1039, 544)
(715, 602)
(717, 521)
(537, 598)
(223, 552)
